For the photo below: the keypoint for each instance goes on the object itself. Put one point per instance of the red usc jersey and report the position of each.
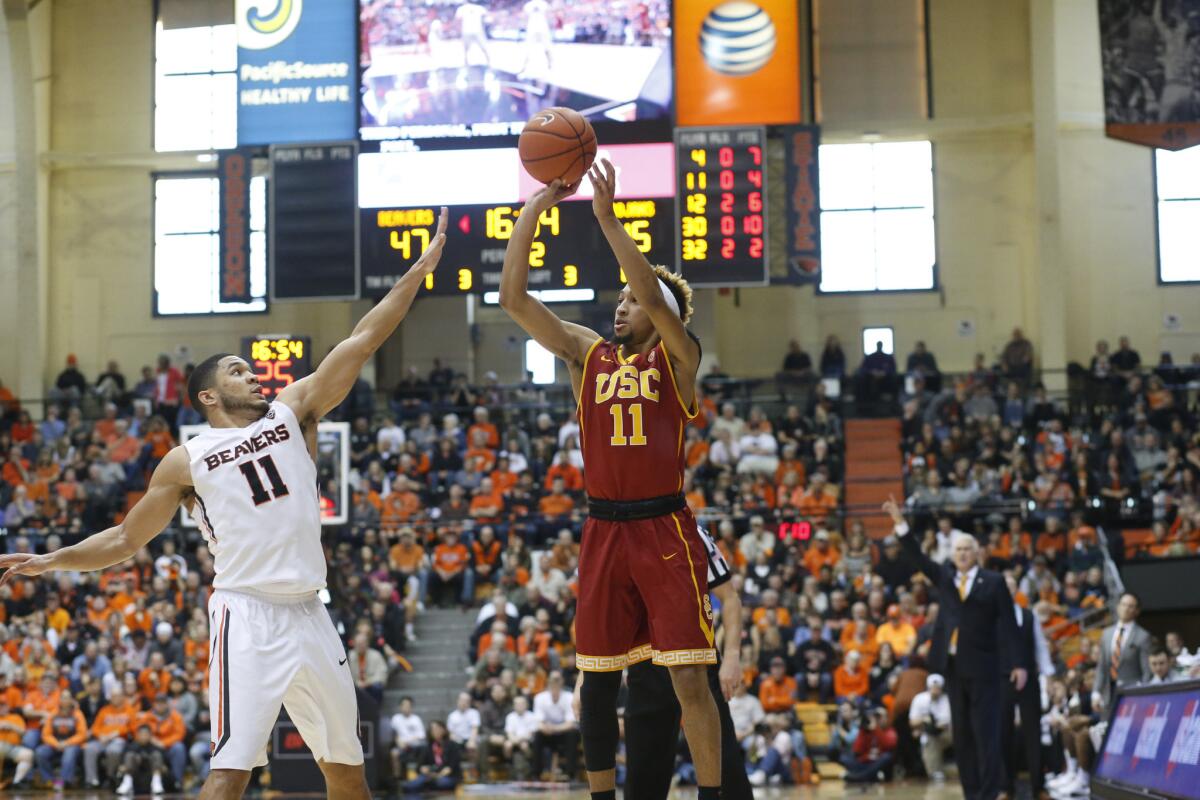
(631, 418)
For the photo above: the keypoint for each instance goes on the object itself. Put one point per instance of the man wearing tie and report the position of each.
(972, 646)
(1124, 658)
(1032, 654)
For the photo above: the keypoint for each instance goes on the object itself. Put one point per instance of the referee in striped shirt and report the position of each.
(652, 713)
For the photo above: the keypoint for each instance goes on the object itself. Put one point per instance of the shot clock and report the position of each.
(721, 205)
(568, 251)
(278, 361)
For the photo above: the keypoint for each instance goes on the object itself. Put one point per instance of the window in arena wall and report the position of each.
(1177, 187)
(877, 217)
(195, 88)
(187, 246)
(540, 362)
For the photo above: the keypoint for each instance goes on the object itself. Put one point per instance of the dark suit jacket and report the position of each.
(987, 628)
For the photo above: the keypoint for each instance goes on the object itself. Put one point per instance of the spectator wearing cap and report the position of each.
(897, 632)
(70, 385)
(777, 690)
(446, 581)
(929, 718)
(63, 735)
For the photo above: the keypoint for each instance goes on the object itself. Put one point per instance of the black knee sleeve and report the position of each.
(598, 719)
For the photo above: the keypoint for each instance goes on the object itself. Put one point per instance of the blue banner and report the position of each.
(1153, 741)
(803, 202)
(297, 78)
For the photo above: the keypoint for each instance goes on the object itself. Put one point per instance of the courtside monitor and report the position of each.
(456, 70)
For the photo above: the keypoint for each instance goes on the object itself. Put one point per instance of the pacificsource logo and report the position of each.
(262, 24)
(737, 38)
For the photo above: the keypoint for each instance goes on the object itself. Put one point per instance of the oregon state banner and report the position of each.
(1150, 52)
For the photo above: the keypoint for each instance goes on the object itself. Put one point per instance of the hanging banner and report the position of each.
(233, 172)
(297, 80)
(1151, 72)
(801, 143)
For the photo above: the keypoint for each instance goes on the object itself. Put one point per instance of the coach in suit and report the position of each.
(1032, 653)
(1124, 658)
(973, 647)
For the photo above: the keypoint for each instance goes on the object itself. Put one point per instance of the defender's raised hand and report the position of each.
(550, 195)
(22, 564)
(603, 176)
(428, 261)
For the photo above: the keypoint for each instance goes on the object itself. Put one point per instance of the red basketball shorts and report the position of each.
(643, 593)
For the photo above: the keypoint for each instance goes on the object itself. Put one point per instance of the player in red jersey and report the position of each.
(643, 588)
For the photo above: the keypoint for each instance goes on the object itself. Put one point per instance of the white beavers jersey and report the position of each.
(258, 507)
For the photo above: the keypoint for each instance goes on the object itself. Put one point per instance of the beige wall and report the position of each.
(1071, 259)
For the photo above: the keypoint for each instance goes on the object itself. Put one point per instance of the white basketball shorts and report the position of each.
(272, 652)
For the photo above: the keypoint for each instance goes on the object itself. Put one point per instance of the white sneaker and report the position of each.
(1061, 779)
(775, 780)
(1082, 785)
(758, 778)
(156, 786)
(939, 777)
(126, 786)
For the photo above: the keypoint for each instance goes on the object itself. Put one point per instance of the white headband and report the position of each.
(672, 303)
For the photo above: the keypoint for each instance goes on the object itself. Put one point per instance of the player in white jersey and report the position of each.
(471, 17)
(251, 481)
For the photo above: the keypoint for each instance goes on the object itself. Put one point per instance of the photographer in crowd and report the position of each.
(929, 718)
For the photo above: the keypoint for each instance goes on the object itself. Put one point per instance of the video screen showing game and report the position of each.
(454, 69)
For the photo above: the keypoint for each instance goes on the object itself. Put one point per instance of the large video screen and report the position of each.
(451, 69)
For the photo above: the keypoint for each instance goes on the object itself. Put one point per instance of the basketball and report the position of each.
(557, 143)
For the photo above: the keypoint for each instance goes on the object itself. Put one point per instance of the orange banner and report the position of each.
(737, 62)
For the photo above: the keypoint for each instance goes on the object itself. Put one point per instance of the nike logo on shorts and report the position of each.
(343, 661)
(668, 558)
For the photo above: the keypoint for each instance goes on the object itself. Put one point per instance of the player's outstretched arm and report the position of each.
(568, 341)
(169, 486)
(318, 394)
(731, 620)
(642, 280)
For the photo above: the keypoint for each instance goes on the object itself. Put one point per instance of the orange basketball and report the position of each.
(557, 143)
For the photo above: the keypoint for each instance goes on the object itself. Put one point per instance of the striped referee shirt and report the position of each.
(718, 567)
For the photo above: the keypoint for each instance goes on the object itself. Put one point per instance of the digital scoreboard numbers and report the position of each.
(721, 205)
(279, 361)
(568, 251)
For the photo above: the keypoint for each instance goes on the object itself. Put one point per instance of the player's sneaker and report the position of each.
(156, 786)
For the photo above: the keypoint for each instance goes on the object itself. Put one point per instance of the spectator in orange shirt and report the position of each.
(446, 583)
(479, 457)
(770, 602)
(408, 562)
(821, 554)
(63, 735)
(110, 734)
(123, 448)
(497, 634)
(694, 496)
(12, 728)
(790, 463)
(485, 558)
(565, 552)
(897, 632)
(819, 500)
(16, 470)
(400, 505)
(167, 731)
(1051, 542)
(556, 506)
(533, 642)
(696, 449)
(777, 691)
(562, 468)
(859, 618)
(40, 705)
(491, 437)
(155, 679)
(851, 681)
(158, 436)
(502, 477)
(487, 505)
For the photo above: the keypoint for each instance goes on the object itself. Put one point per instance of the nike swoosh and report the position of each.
(343, 661)
(668, 558)
(606, 359)
(546, 118)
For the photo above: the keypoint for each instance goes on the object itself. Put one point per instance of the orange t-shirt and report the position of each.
(112, 719)
(847, 685)
(450, 558)
(68, 731)
(697, 451)
(777, 696)
(849, 629)
(169, 730)
(147, 686)
(493, 436)
(817, 505)
(572, 477)
(406, 559)
(480, 459)
(782, 616)
(485, 643)
(556, 505)
(814, 559)
(160, 443)
(503, 480)
(400, 507)
(12, 726)
(481, 503)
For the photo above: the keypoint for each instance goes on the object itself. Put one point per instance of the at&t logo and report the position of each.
(737, 38)
(262, 24)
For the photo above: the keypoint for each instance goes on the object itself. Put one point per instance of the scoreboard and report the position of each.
(278, 360)
(568, 252)
(722, 205)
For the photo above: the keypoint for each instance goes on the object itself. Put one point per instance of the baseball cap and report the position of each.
(890, 541)
(893, 611)
(822, 536)
(934, 680)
